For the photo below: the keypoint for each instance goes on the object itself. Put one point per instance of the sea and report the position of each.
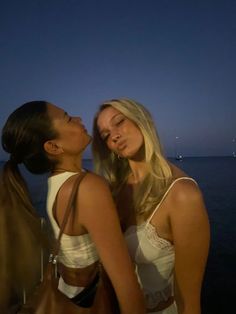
(216, 177)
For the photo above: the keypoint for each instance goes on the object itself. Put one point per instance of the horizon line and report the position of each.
(172, 157)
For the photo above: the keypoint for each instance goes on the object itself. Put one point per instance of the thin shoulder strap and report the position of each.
(68, 209)
(167, 191)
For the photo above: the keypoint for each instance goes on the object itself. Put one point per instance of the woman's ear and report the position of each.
(52, 148)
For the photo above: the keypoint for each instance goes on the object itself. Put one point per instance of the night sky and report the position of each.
(177, 57)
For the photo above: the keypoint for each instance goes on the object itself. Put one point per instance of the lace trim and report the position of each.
(155, 240)
(150, 233)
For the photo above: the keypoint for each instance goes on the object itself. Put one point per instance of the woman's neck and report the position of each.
(75, 166)
(61, 170)
(139, 170)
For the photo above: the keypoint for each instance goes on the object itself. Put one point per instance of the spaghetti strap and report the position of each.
(164, 196)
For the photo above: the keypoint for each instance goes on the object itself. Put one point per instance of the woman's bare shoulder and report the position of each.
(93, 178)
(185, 189)
(93, 185)
(185, 202)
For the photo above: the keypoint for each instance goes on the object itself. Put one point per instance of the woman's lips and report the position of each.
(121, 145)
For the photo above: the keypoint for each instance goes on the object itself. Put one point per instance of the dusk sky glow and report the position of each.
(178, 58)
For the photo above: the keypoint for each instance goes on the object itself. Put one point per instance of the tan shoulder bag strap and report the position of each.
(67, 211)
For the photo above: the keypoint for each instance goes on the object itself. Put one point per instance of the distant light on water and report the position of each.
(234, 147)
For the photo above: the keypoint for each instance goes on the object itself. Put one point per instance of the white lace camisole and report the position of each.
(154, 258)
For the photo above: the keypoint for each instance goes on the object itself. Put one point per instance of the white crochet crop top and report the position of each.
(75, 251)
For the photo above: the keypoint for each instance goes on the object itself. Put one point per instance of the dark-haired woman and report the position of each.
(46, 139)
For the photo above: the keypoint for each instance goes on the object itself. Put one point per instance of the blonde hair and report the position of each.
(116, 171)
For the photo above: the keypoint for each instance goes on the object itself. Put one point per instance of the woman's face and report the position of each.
(120, 134)
(72, 135)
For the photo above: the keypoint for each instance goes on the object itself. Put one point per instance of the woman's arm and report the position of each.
(191, 235)
(97, 213)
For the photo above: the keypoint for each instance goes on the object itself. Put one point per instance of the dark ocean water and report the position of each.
(216, 177)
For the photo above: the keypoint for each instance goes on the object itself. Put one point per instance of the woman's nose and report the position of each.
(115, 137)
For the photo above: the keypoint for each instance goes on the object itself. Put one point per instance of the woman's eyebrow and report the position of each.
(116, 115)
(66, 116)
(105, 129)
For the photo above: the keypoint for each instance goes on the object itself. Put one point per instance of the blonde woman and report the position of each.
(161, 209)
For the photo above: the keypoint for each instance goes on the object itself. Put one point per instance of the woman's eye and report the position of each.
(105, 137)
(119, 121)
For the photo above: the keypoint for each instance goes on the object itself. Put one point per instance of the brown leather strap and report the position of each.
(80, 277)
(71, 202)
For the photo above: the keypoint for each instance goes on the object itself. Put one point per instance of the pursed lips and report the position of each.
(121, 145)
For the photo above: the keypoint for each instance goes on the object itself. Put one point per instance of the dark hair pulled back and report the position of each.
(21, 238)
(24, 134)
